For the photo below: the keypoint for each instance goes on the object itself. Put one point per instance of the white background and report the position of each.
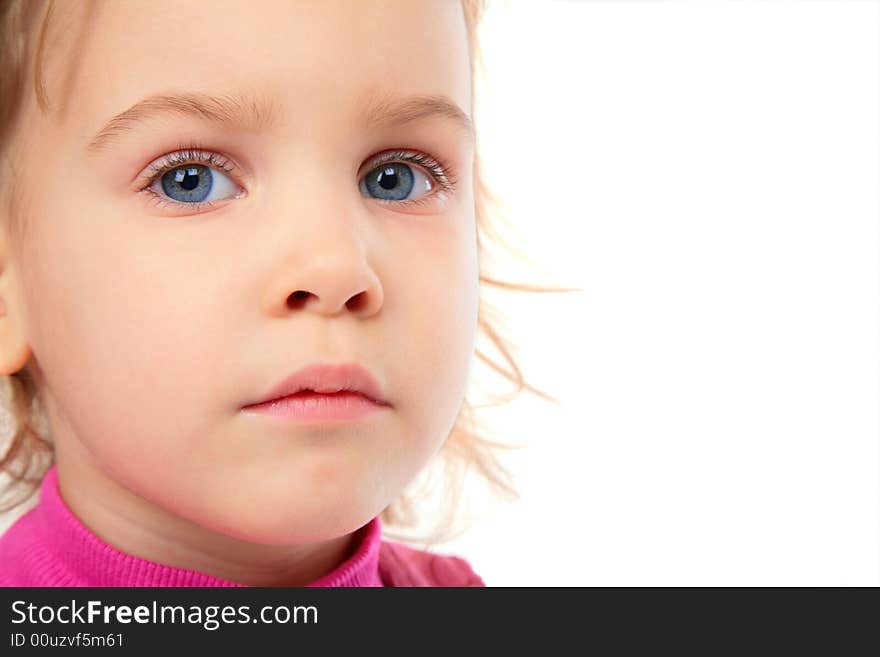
(709, 173)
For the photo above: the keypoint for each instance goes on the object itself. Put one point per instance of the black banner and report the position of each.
(566, 621)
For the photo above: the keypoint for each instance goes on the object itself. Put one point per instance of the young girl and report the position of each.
(239, 279)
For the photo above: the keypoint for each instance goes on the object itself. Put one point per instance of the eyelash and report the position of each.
(443, 174)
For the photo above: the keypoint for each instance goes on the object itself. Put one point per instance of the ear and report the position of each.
(15, 351)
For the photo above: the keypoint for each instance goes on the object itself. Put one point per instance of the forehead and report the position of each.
(317, 61)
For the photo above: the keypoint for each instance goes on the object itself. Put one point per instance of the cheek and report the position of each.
(439, 296)
(116, 332)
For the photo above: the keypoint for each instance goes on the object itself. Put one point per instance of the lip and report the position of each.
(318, 407)
(323, 378)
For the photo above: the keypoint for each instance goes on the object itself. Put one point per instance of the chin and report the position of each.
(292, 527)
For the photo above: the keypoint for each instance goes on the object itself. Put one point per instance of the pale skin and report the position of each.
(148, 327)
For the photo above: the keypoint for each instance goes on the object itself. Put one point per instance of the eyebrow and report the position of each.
(254, 112)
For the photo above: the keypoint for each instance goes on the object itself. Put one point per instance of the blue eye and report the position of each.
(176, 181)
(194, 183)
(395, 182)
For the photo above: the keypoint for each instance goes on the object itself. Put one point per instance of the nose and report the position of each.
(322, 263)
(328, 279)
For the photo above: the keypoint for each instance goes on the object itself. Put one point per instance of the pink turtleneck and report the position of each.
(49, 546)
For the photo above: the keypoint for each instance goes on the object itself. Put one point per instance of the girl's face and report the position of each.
(150, 318)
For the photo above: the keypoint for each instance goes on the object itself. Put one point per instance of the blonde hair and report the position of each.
(23, 28)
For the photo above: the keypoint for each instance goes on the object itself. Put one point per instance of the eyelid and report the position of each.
(443, 173)
(188, 154)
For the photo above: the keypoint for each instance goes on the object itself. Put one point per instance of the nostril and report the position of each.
(297, 298)
(357, 302)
